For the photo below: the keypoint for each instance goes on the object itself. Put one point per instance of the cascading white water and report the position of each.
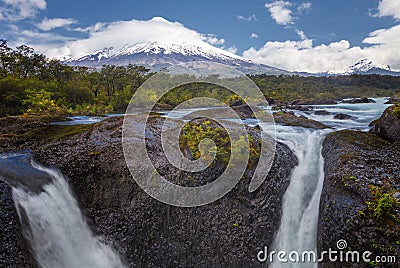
(298, 229)
(300, 206)
(57, 231)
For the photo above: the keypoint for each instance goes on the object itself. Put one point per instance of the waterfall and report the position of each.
(300, 206)
(56, 229)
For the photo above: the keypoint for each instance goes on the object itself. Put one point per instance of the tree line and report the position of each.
(31, 83)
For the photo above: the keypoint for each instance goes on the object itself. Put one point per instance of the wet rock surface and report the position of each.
(387, 126)
(355, 164)
(359, 100)
(323, 101)
(290, 119)
(341, 116)
(146, 232)
(322, 112)
(393, 100)
(13, 249)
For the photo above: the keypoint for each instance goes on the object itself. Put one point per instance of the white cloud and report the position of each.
(50, 24)
(303, 56)
(253, 35)
(94, 28)
(121, 33)
(280, 12)
(301, 34)
(389, 8)
(304, 7)
(382, 47)
(14, 10)
(250, 18)
(212, 39)
(232, 49)
(40, 41)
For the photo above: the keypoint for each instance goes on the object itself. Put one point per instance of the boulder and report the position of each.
(387, 126)
(146, 232)
(290, 119)
(354, 163)
(322, 112)
(341, 116)
(393, 100)
(359, 100)
(323, 101)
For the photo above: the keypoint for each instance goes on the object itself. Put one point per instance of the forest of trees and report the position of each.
(30, 83)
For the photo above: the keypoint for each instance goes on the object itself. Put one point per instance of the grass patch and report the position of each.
(51, 133)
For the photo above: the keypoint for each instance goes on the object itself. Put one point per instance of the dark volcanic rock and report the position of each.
(313, 102)
(300, 108)
(342, 116)
(162, 107)
(289, 119)
(359, 100)
(18, 172)
(235, 102)
(354, 162)
(387, 126)
(270, 101)
(243, 111)
(393, 100)
(322, 112)
(13, 249)
(148, 233)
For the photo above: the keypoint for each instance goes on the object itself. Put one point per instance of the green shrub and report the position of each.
(194, 132)
(382, 205)
(39, 101)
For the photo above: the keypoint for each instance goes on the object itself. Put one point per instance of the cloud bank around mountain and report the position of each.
(122, 33)
(381, 46)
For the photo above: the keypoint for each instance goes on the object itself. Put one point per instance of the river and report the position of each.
(60, 237)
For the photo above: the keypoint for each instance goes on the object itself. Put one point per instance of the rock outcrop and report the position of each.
(146, 232)
(359, 100)
(341, 116)
(290, 119)
(361, 174)
(387, 126)
(324, 101)
(14, 251)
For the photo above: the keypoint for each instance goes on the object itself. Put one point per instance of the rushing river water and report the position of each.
(54, 225)
(60, 237)
(300, 208)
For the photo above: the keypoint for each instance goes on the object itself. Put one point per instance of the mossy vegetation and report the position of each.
(51, 133)
(383, 204)
(194, 132)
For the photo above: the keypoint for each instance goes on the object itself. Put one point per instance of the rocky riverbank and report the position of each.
(144, 231)
(358, 201)
(14, 251)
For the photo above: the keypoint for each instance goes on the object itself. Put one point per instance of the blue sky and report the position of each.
(310, 35)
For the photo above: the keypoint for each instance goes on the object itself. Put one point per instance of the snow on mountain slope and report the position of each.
(156, 56)
(367, 66)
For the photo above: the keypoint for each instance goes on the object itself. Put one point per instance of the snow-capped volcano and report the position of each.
(157, 55)
(367, 66)
(98, 55)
